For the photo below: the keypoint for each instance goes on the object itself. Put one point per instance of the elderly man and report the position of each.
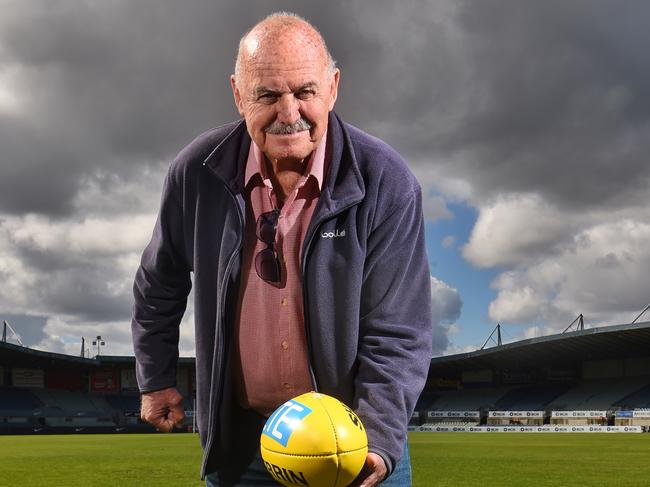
(306, 240)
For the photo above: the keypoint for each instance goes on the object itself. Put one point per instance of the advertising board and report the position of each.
(454, 414)
(21, 377)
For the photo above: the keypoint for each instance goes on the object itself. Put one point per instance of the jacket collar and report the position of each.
(343, 184)
(228, 159)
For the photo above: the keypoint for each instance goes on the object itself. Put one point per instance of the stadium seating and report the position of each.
(124, 402)
(597, 394)
(530, 398)
(425, 401)
(18, 400)
(468, 400)
(72, 403)
(39, 410)
(640, 399)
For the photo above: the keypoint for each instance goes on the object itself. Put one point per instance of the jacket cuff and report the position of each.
(154, 389)
(387, 461)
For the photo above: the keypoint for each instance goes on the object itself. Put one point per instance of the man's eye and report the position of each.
(305, 94)
(267, 97)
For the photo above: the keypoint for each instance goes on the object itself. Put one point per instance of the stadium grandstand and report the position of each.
(43, 392)
(588, 380)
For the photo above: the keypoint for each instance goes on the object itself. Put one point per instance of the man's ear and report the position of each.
(334, 87)
(237, 95)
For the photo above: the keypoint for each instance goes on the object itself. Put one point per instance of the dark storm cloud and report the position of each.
(38, 173)
(105, 85)
(551, 97)
(561, 100)
(75, 284)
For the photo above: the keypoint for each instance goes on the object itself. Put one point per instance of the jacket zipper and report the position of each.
(305, 298)
(305, 304)
(220, 344)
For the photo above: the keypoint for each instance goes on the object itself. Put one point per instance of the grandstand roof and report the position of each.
(130, 359)
(630, 340)
(571, 348)
(18, 356)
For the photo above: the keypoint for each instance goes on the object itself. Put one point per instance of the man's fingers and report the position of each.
(371, 481)
(372, 473)
(176, 416)
(168, 420)
(163, 409)
(166, 426)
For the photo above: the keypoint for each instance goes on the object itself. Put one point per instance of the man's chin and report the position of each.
(289, 151)
(288, 156)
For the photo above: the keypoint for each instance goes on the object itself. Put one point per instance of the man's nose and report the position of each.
(288, 109)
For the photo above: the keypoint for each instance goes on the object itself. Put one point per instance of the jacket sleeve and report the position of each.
(161, 286)
(395, 341)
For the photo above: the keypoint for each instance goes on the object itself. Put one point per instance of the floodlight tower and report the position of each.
(99, 342)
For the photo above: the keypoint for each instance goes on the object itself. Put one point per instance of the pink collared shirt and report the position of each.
(270, 358)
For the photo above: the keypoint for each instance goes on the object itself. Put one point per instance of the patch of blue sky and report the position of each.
(446, 263)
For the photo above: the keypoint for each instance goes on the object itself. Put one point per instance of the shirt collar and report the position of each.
(315, 164)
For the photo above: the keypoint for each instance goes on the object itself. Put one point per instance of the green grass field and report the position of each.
(439, 460)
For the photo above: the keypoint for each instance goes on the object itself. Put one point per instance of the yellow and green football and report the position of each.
(314, 440)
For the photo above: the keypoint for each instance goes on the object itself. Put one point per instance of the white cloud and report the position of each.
(435, 181)
(603, 275)
(516, 305)
(446, 308)
(516, 229)
(90, 236)
(73, 269)
(75, 274)
(447, 303)
(64, 336)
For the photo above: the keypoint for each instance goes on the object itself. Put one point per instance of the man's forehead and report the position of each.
(285, 76)
(288, 49)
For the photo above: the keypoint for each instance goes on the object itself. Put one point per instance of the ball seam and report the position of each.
(325, 455)
(336, 438)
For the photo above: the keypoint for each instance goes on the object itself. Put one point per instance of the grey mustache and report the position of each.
(279, 128)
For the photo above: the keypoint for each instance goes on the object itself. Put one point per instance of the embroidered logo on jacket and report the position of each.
(336, 234)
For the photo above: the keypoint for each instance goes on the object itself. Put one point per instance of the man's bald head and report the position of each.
(274, 32)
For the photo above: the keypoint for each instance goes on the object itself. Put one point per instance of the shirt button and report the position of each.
(287, 385)
(284, 345)
(284, 301)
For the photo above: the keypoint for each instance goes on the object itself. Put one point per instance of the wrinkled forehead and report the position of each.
(290, 47)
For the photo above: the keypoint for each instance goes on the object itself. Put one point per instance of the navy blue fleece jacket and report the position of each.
(366, 283)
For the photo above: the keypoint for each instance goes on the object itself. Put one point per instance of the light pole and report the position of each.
(99, 342)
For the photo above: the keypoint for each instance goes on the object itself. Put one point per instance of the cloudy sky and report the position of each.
(526, 122)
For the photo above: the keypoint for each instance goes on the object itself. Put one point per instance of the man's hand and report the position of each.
(163, 409)
(373, 472)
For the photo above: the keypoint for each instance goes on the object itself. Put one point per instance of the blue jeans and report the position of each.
(256, 475)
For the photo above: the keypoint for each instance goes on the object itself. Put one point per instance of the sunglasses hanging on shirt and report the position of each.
(267, 262)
